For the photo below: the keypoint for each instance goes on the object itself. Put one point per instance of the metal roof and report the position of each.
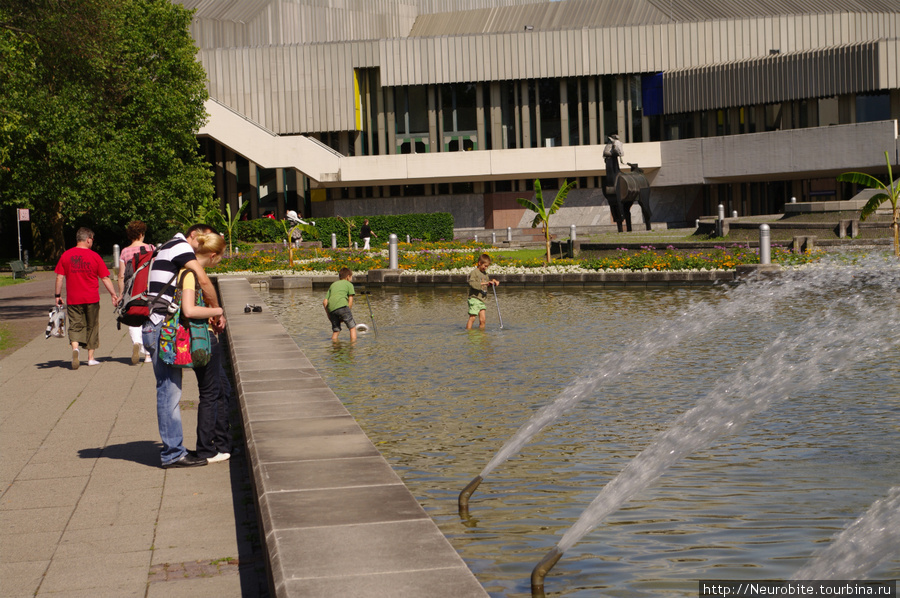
(590, 14)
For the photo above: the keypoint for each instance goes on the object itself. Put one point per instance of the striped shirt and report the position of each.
(173, 256)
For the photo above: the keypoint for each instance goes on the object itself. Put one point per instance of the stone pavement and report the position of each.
(85, 509)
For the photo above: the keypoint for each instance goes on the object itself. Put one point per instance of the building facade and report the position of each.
(360, 107)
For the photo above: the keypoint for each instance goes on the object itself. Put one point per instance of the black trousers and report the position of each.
(213, 430)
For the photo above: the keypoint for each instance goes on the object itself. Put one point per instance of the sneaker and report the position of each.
(93, 362)
(219, 458)
(76, 360)
(186, 460)
(135, 353)
(147, 358)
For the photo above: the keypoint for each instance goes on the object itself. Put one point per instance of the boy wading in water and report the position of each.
(478, 283)
(338, 302)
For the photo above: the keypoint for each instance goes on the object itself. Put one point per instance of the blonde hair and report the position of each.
(210, 243)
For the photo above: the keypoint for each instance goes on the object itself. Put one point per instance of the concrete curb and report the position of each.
(336, 519)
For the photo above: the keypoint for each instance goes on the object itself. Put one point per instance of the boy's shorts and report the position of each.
(475, 305)
(341, 314)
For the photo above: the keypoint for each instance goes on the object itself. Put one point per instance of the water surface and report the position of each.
(440, 401)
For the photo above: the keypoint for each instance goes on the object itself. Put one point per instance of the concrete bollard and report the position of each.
(509, 234)
(392, 252)
(765, 244)
(407, 239)
(572, 231)
(720, 221)
(476, 238)
(734, 214)
(793, 200)
(333, 240)
(493, 238)
(116, 254)
(25, 259)
(355, 245)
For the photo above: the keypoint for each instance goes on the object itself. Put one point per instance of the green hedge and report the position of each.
(260, 230)
(424, 227)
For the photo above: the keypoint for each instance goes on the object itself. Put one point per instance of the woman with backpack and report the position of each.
(135, 231)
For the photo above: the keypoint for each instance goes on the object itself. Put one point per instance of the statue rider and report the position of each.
(613, 154)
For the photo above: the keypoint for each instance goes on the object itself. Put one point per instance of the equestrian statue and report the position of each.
(622, 189)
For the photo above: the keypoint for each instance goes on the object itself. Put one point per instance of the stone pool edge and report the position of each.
(395, 278)
(335, 519)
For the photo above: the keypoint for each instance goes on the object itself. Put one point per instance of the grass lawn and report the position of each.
(7, 280)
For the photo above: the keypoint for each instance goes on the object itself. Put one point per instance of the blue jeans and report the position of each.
(168, 397)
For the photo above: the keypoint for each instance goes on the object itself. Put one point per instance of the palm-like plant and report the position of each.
(309, 229)
(350, 225)
(543, 213)
(886, 192)
(229, 221)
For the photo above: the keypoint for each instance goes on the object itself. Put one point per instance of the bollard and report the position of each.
(392, 252)
(334, 240)
(765, 244)
(355, 245)
(697, 224)
(476, 238)
(793, 200)
(509, 234)
(407, 239)
(572, 231)
(116, 254)
(720, 222)
(734, 214)
(493, 238)
(25, 253)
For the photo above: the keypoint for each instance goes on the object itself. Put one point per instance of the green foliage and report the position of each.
(259, 230)
(229, 221)
(98, 117)
(886, 192)
(542, 212)
(425, 227)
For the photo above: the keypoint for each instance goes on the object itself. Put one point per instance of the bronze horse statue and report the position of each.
(622, 189)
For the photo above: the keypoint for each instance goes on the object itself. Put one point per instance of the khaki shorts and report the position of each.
(84, 324)
(475, 305)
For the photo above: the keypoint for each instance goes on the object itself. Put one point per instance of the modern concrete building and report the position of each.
(363, 107)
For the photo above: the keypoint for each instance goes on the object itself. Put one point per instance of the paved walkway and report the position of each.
(85, 509)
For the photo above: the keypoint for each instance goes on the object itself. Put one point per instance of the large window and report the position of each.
(873, 107)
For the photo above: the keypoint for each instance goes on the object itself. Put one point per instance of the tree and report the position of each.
(542, 212)
(98, 117)
(887, 192)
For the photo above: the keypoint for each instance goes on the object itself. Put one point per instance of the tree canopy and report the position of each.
(100, 106)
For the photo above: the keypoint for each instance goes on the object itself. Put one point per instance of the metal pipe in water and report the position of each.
(466, 493)
(540, 571)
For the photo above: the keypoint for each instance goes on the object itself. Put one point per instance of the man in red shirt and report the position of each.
(81, 267)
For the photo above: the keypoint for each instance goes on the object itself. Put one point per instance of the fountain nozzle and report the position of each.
(541, 569)
(466, 493)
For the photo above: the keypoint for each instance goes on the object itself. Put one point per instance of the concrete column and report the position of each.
(231, 180)
(253, 191)
(391, 123)
(382, 123)
(434, 141)
(525, 107)
(279, 193)
(479, 115)
(621, 107)
(593, 107)
(367, 125)
(496, 116)
(537, 115)
(580, 111)
(564, 111)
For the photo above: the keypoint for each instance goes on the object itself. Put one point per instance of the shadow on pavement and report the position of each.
(142, 452)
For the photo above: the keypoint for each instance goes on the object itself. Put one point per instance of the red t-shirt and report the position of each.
(82, 267)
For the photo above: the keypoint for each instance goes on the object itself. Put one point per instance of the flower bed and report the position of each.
(454, 258)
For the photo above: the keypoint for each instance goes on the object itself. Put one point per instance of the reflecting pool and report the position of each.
(756, 503)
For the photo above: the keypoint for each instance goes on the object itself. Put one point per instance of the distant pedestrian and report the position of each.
(366, 233)
(136, 230)
(80, 267)
(478, 283)
(338, 303)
